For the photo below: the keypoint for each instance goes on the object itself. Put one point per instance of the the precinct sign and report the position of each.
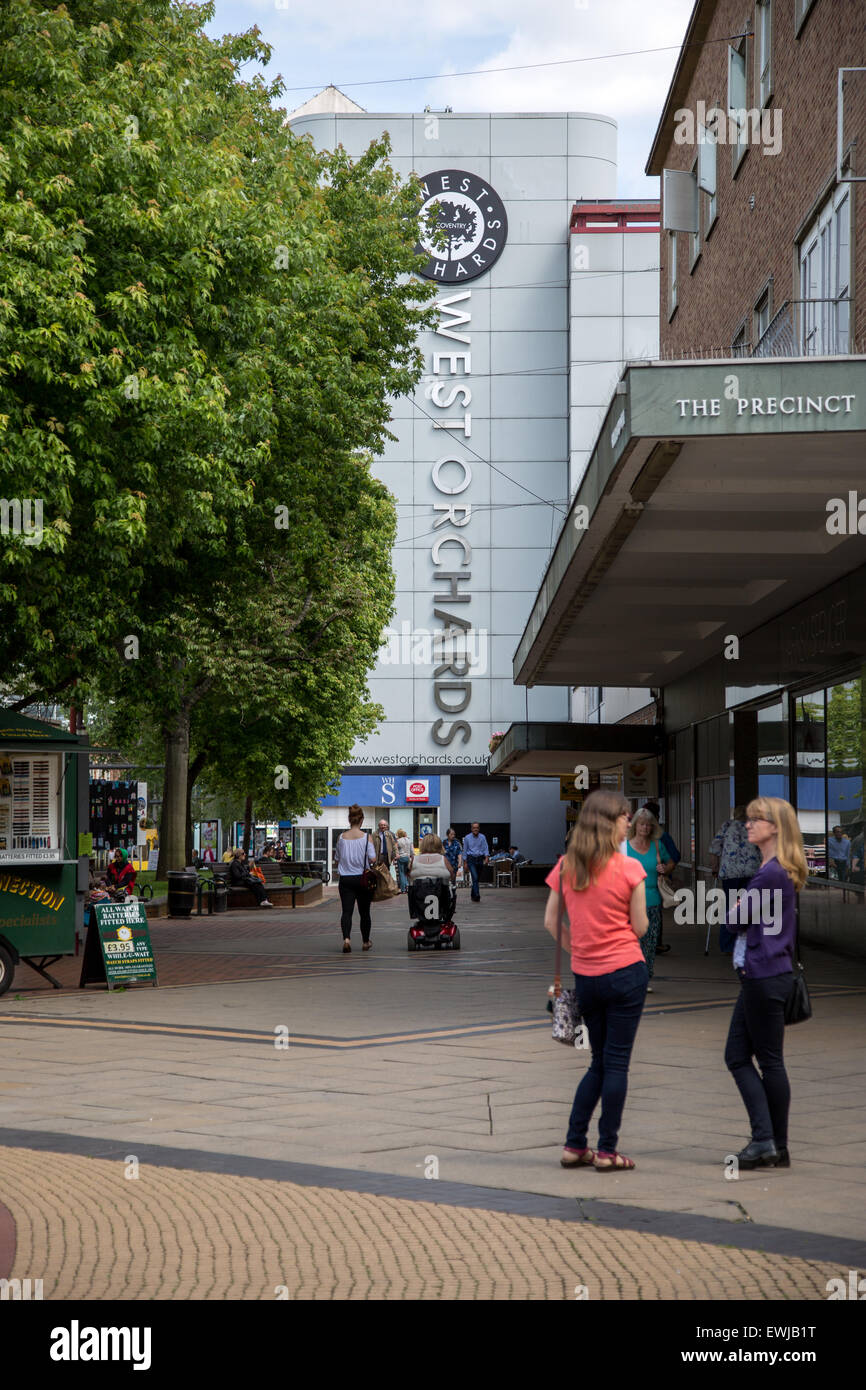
(470, 226)
(118, 949)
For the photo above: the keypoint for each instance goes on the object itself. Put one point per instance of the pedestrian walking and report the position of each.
(765, 922)
(604, 904)
(405, 855)
(356, 852)
(240, 876)
(475, 853)
(735, 862)
(645, 846)
(453, 852)
(385, 845)
(839, 854)
(667, 842)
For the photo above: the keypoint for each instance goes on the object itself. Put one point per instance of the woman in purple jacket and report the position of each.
(765, 922)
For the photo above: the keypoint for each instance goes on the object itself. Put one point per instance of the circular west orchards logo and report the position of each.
(470, 227)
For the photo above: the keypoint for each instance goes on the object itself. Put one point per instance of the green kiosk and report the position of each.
(44, 777)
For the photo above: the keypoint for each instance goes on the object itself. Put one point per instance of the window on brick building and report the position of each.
(764, 50)
(763, 314)
(672, 273)
(801, 9)
(695, 237)
(825, 279)
(707, 170)
(738, 125)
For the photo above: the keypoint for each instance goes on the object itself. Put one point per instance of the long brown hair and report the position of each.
(594, 838)
(789, 841)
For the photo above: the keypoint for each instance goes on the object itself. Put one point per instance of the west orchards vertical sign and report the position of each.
(466, 239)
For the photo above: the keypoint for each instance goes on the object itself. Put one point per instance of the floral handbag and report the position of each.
(563, 1003)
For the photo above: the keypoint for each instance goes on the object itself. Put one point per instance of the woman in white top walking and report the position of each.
(355, 854)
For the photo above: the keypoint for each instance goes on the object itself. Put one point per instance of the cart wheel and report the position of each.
(7, 969)
(411, 943)
(455, 944)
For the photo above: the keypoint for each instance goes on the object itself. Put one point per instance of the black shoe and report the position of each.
(476, 900)
(784, 1160)
(662, 950)
(761, 1153)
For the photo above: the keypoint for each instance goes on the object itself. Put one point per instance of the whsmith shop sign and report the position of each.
(385, 791)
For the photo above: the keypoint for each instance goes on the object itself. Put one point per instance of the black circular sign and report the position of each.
(471, 222)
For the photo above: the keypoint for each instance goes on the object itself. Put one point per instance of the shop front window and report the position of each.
(811, 756)
(773, 778)
(311, 842)
(845, 859)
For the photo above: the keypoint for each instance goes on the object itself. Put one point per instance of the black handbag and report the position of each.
(369, 877)
(798, 1005)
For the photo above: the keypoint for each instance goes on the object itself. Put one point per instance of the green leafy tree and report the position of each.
(201, 322)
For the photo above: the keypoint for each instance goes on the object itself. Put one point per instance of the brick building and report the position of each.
(773, 265)
(714, 554)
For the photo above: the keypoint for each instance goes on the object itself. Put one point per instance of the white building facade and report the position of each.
(486, 452)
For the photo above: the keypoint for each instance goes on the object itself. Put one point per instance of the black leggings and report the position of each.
(352, 891)
(758, 1030)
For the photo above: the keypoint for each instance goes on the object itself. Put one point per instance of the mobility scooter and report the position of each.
(431, 906)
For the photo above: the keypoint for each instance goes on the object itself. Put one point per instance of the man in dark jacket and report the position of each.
(240, 877)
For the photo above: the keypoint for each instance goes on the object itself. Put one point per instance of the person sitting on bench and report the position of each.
(240, 877)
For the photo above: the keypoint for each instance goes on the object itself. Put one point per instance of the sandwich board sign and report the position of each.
(118, 950)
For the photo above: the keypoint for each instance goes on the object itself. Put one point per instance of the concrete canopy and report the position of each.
(703, 513)
(554, 750)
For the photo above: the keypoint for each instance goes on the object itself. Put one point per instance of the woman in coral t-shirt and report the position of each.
(605, 904)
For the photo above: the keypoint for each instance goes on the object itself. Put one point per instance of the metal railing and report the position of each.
(807, 328)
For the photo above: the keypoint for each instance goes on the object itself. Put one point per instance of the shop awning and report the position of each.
(703, 513)
(554, 750)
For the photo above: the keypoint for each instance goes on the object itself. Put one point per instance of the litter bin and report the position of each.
(220, 893)
(181, 892)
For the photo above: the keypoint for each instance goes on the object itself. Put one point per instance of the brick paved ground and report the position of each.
(90, 1232)
(394, 1058)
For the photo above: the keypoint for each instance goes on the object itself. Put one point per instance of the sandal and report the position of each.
(367, 945)
(347, 945)
(577, 1158)
(606, 1163)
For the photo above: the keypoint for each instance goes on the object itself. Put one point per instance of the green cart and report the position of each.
(43, 800)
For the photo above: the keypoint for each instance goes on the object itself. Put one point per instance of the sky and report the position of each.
(354, 42)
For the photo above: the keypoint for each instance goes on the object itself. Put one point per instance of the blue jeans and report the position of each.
(758, 1030)
(611, 1006)
(473, 860)
(403, 874)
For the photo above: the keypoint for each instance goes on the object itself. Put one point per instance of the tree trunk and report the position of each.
(248, 823)
(172, 829)
(192, 776)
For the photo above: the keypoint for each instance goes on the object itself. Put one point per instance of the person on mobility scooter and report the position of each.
(432, 900)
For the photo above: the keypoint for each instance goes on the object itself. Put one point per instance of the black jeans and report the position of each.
(728, 938)
(352, 891)
(256, 887)
(758, 1030)
(611, 1006)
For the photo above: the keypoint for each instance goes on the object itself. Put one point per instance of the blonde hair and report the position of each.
(644, 814)
(789, 841)
(431, 844)
(594, 838)
(401, 834)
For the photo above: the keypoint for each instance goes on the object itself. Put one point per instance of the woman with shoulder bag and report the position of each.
(356, 856)
(645, 846)
(765, 921)
(605, 906)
